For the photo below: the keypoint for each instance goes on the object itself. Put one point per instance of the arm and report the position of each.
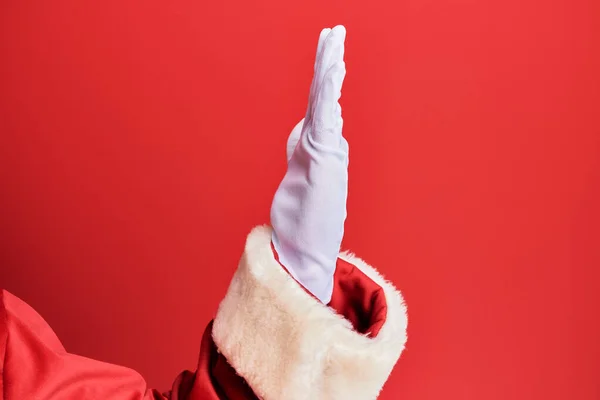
(306, 322)
(300, 320)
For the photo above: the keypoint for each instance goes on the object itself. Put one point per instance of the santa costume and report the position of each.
(300, 320)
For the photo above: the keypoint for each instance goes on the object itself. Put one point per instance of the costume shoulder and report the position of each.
(35, 365)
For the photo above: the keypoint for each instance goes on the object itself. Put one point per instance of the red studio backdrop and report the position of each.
(141, 141)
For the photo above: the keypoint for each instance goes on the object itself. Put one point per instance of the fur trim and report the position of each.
(288, 345)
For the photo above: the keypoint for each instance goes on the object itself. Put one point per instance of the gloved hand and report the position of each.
(309, 207)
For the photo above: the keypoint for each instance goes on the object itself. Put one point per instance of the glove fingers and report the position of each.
(314, 84)
(322, 37)
(327, 121)
(331, 52)
(341, 32)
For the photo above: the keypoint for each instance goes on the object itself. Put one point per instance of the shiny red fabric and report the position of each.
(35, 365)
(355, 296)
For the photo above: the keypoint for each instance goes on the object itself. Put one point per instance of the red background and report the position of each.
(142, 140)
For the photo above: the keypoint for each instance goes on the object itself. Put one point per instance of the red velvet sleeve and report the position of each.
(35, 365)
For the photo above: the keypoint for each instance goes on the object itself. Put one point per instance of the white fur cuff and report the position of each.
(289, 346)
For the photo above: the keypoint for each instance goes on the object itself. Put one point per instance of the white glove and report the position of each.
(309, 207)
